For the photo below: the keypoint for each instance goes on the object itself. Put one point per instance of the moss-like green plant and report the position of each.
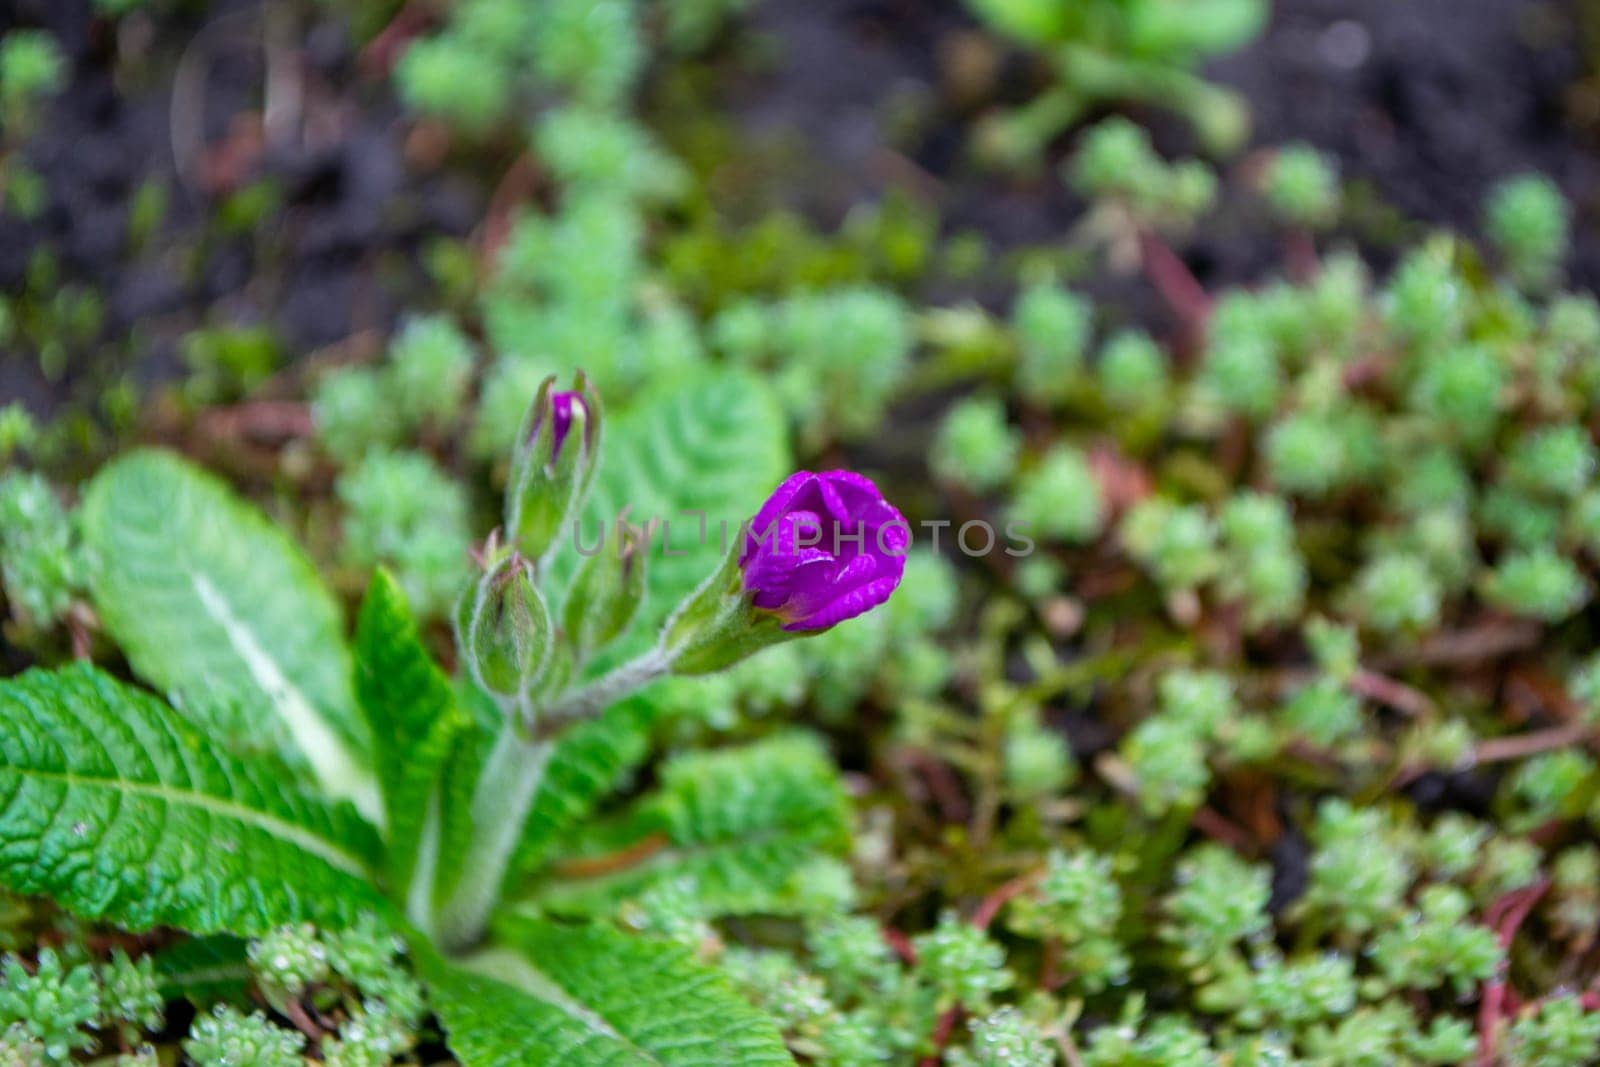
(1146, 50)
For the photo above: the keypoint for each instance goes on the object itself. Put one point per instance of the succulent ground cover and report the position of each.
(428, 632)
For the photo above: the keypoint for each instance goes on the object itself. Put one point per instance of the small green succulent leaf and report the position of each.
(736, 825)
(120, 809)
(411, 711)
(215, 606)
(591, 996)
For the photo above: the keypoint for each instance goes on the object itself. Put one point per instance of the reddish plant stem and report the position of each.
(1300, 249)
(985, 914)
(1218, 827)
(296, 1013)
(1504, 916)
(379, 57)
(943, 785)
(1391, 692)
(901, 944)
(81, 625)
(1518, 746)
(989, 909)
(519, 183)
(1484, 641)
(941, 1036)
(1050, 966)
(612, 862)
(267, 420)
(1176, 283)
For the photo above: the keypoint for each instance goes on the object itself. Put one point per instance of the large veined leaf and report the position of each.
(214, 605)
(734, 826)
(411, 708)
(715, 444)
(591, 996)
(120, 809)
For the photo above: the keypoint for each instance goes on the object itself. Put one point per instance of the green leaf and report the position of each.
(204, 969)
(716, 444)
(121, 809)
(591, 996)
(214, 605)
(411, 710)
(736, 825)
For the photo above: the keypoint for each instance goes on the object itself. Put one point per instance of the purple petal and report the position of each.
(765, 524)
(561, 405)
(856, 602)
(854, 560)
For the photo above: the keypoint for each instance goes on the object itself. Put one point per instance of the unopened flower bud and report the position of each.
(503, 629)
(552, 466)
(823, 548)
(608, 590)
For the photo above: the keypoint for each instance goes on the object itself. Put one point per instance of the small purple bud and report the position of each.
(561, 412)
(823, 548)
(550, 474)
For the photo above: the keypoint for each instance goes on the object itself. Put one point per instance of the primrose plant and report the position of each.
(788, 575)
(286, 779)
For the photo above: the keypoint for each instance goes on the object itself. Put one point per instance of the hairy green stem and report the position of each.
(500, 807)
(590, 700)
(506, 788)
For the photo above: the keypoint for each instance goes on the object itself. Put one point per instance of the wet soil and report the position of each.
(1425, 104)
(313, 227)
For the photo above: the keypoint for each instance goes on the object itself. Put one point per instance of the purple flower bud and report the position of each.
(823, 548)
(550, 475)
(561, 405)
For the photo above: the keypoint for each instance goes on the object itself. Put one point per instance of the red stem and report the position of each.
(1175, 282)
(1505, 916)
(901, 944)
(991, 905)
(941, 1036)
(1396, 694)
(1216, 826)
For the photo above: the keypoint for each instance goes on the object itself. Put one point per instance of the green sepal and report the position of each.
(504, 630)
(606, 594)
(717, 625)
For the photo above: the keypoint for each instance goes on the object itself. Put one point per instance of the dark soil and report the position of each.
(1425, 103)
(337, 249)
(1431, 102)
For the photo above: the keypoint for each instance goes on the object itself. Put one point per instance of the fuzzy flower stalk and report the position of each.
(822, 549)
